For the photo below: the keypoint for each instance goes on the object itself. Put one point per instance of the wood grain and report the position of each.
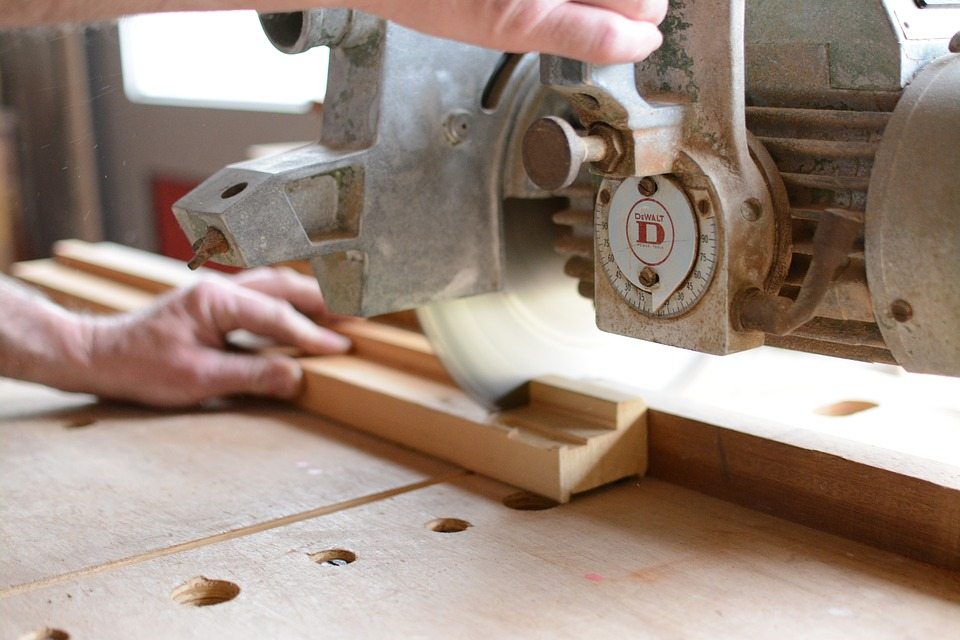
(80, 290)
(543, 447)
(912, 516)
(132, 267)
(631, 561)
(88, 483)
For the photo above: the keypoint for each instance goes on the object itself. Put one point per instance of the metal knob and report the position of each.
(553, 152)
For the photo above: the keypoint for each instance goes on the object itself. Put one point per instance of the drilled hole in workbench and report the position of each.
(333, 557)
(527, 501)
(203, 592)
(846, 408)
(47, 633)
(448, 525)
(80, 421)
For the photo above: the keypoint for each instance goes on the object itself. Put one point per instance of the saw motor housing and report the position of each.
(780, 172)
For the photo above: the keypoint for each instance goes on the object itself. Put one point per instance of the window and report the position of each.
(217, 59)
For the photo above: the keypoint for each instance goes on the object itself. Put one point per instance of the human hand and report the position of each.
(600, 31)
(172, 353)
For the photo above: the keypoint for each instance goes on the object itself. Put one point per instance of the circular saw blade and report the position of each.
(538, 324)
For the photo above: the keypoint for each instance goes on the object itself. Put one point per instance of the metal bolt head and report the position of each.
(901, 310)
(456, 127)
(614, 147)
(751, 210)
(647, 186)
(649, 277)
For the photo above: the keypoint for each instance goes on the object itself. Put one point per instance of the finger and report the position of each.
(303, 292)
(594, 35)
(233, 307)
(226, 374)
(645, 10)
(281, 282)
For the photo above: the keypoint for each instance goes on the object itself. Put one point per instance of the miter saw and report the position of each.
(782, 172)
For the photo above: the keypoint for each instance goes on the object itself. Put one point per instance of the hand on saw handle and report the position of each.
(600, 31)
(171, 354)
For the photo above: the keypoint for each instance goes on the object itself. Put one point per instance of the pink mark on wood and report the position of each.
(595, 578)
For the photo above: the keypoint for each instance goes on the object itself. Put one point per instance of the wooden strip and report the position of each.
(108, 290)
(917, 518)
(398, 348)
(79, 290)
(528, 447)
(132, 267)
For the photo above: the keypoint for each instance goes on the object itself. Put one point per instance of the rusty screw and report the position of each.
(213, 243)
(649, 277)
(553, 152)
(901, 310)
(647, 186)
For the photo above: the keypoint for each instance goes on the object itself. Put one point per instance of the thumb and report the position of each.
(233, 374)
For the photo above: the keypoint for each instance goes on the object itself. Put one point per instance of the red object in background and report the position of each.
(170, 239)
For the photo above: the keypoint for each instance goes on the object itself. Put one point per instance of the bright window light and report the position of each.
(218, 59)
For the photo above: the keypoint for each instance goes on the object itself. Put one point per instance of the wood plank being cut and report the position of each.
(635, 560)
(552, 447)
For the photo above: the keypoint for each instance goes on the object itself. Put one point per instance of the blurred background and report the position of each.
(103, 127)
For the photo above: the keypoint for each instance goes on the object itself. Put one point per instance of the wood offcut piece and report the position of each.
(570, 438)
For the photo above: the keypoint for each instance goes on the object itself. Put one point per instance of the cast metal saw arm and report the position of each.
(714, 197)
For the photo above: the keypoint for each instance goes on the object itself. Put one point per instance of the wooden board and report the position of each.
(630, 561)
(76, 289)
(132, 267)
(551, 446)
(914, 516)
(86, 483)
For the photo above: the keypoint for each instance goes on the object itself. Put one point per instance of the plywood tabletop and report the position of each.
(86, 484)
(101, 524)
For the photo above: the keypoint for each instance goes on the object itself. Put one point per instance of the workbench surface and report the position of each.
(106, 509)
